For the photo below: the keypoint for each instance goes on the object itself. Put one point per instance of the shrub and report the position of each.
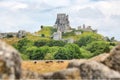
(36, 53)
(40, 43)
(69, 51)
(23, 44)
(85, 53)
(98, 47)
(56, 43)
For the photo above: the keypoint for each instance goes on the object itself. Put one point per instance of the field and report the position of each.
(44, 66)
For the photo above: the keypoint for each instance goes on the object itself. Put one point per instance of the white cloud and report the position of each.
(103, 15)
(13, 5)
(109, 7)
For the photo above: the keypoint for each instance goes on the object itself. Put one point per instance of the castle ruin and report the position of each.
(62, 23)
(86, 28)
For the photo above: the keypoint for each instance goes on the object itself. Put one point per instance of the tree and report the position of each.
(51, 53)
(23, 44)
(56, 43)
(42, 35)
(40, 43)
(30, 51)
(85, 53)
(113, 39)
(61, 54)
(73, 51)
(98, 47)
(41, 26)
(70, 51)
(36, 53)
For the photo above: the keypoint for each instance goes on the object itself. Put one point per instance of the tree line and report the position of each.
(88, 45)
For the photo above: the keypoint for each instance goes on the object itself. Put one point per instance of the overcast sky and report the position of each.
(103, 15)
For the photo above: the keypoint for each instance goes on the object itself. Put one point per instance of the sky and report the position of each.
(29, 15)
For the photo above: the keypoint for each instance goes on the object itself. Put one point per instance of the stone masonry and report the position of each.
(62, 23)
(86, 28)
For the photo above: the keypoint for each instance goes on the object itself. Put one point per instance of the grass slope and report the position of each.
(11, 41)
(43, 67)
(46, 30)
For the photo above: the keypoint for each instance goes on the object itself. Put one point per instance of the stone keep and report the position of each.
(62, 23)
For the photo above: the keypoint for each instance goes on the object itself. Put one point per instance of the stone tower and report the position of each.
(62, 23)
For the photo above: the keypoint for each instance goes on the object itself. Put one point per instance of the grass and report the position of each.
(32, 37)
(46, 30)
(43, 67)
(11, 41)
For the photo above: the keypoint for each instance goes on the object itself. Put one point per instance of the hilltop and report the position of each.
(41, 44)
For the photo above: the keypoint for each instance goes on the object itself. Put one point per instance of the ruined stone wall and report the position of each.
(62, 23)
(86, 28)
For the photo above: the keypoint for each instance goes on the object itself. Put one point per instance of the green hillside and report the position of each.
(46, 31)
(40, 45)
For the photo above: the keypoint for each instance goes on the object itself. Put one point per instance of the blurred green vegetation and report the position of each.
(40, 45)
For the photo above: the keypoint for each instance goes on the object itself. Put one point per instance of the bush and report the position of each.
(61, 54)
(40, 43)
(98, 47)
(51, 53)
(69, 51)
(41, 26)
(55, 43)
(85, 53)
(42, 35)
(35, 53)
(23, 44)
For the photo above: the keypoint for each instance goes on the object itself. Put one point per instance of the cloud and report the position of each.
(89, 12)
(103, 15)
(13, 5)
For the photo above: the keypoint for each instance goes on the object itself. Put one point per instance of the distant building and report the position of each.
(87, 29)
(19, 34)
(62, 23)
(57, 35)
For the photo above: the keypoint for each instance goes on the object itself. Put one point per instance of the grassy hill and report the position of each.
(71, 34)
(46, 31)
(40, 43)
(11, 41)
